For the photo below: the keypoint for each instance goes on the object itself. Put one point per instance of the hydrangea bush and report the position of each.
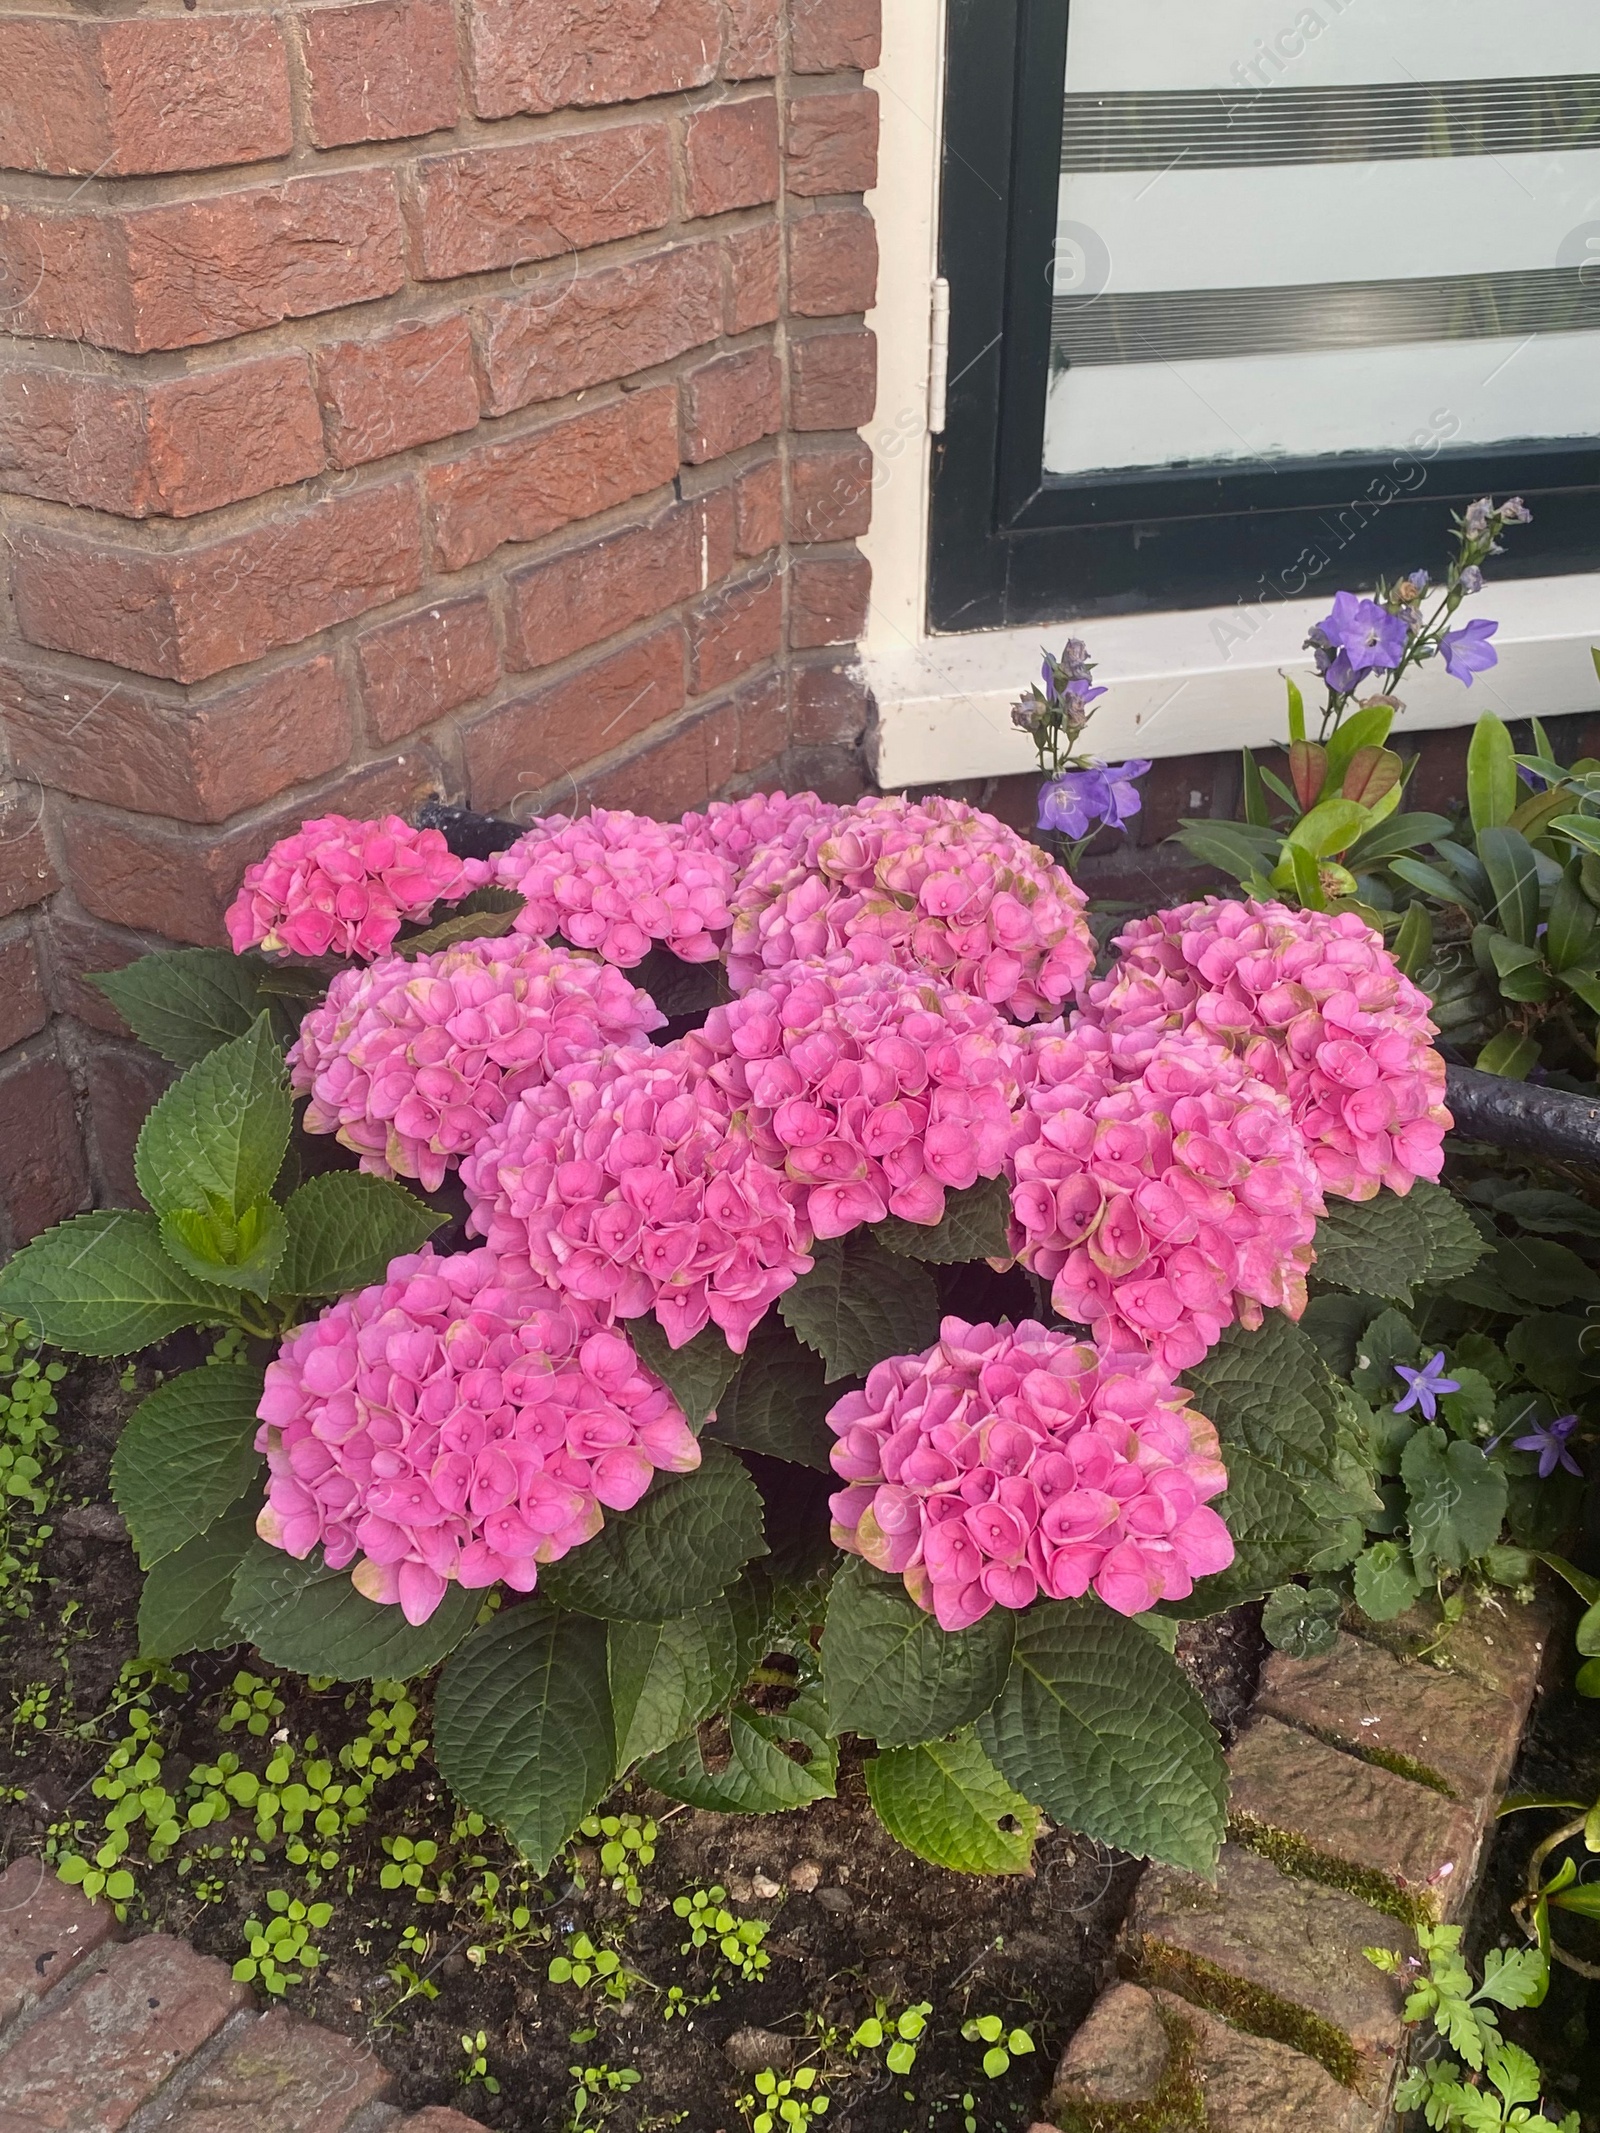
(740, 1345)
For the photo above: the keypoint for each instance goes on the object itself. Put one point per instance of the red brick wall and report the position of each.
(406, 396)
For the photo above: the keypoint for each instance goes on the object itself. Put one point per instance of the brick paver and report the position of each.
(280, 2076)
(46, 1929)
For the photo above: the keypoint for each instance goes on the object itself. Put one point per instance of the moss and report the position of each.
(1403, 1766)
(1246, 2006)
(1297, 1855)
(1178, 2105)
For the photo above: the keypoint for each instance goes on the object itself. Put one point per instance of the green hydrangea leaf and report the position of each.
(242, 1254)
(684, 1543)
(893, 1675)
(217, 1137)
(976, 1225)
(779, 1401)
(102, 1284)
(345, 1228)
(860, 1303)
(775, 1760)
(306, 1616)
(184, 1002)
(1390, 1245)
(186, 1596)
(945, 1801)
(187, 1453)
(694, 1374)
(666, 1677)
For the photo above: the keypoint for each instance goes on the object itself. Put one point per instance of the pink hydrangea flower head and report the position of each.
(411, 1063)
(636, 1185)
(617, 882)
(876, 1089)
(338, 887)
(457, 1422)
(1163, 1207)
(1314, 1004)
(737, 830)
(1009, 1461)
(932, 885)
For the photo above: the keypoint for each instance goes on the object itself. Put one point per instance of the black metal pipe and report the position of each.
(1523, 1116)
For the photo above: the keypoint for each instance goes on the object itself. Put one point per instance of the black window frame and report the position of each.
(1009, 547)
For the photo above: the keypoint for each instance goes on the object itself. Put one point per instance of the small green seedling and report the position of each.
(738, 1940)
(1003, 2044)
(281, 1943)
(784, 2100)
(475, 2062)
(900, 2033)
(584, 1964)
(593, 2082)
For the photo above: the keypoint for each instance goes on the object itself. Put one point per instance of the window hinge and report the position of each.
(939, 359)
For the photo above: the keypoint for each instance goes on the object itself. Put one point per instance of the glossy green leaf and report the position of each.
(1358, 730)
(1510, 1055)
(345, 1228)
(1329, 827)
(1492, 788)
(945, 1801)
(242, 1253)
(217, 1137)
(1257, 808)
(305, 1616)
(860, 1303)
(1573, 925)
(1398, 834)
(667, 1676)
(101, 1284)
(892, 1674)
(184, 1002)
(186, 1597)
(976, 1225)
(1509, 861)
(1581, 830)
(779, 1402)
(684, 1543)
(1297, 709)
(1418, 874)
(695, 1374)
(187, 1453)
(1413, 943)
(1249, 855)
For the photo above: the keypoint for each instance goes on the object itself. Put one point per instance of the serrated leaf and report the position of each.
(1100, 1727)
(677, 987)
(976, 1225)
(217, 1137)
(1385, 1583)
(666, 1676)
(183, 1002)
(1302, 1620)
(1389, 1246)
(684, 1543)
(945, 1801)
(306, 1616)
(488, 914)
(778, 1403)
(1457, 1500)
(345, 1228)
(242, 1254)
(893, 1675)
(1336, 1323)
(187, 1453)
(101, 1284)
(694, 1374)
(776, 1760)
(1550, 1214)
(860, 1303)
(184, 1604)
(522, 1728)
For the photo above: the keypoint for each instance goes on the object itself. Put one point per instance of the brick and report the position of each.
(717, 551)
(731, 155)
(207, 269)
(833, 263)
(42, 1181)
(75, 946)
(751, 52)
(427, 664)
(498, 207)
(528, 746)
(587, 329)
(384, 70)
(833, 380)
(831, 707)
(734, 630)
(828, 36)
(828, 600)
(731, 402)
(582, 52)
(831, 773)
(288, 2076)
(115, 99)
(683, 770)
(439, 2118)
(87, 2065)
(123, 1083)
(1282, 1954)
(24, 1011)
(173, 446)
(46, 1929)
(520, 488)
(832, 142)
(758, 507)
(1499, 1645)
(200, 760)
(406, 388)
(762, 709)
(185, 614)
(754, 262)
(1120, 2054)
(1340, 1814)
(27, 873)
(569, 601)
(830, 492)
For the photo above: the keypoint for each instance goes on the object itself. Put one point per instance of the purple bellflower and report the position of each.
(1467, 651)
(1427, 1387)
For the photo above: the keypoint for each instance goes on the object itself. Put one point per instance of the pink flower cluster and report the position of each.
(1162, 1206)
(635, 1185)
(1012, 1461)
(338, 887)
(737, 830)
(933, 885)
(876, 1091)
(446, 1425)
(1316, 1006)
(411, 1063)
(616, 882)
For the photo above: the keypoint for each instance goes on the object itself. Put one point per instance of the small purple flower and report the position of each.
(1471, 580)
(1534, 783)
(1428, 1386)
(1357, 637)
(1514, 512)
(1467, 651)
(1076, 801)
(1125, 800)
(1551, 1445)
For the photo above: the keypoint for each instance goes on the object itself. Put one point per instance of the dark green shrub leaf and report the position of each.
(522, 1726)
(976, 1225)
(488, 914)
(184, 1002)
(666, 1676)
(185, 1601)
(695, 1374)
(1551, 1214)
(1302, 1620)
(1457, 1501)
(306, 1616)
(1388, 1339)
(1389, 1246)
(1528, 1273)
(102, 1285)
(776, 1760)
(1385, 1583)
(859, 1304)
(779, 1401)
(216, 1139)
(242, 1254)
(343, 1231)
(1336, 1324)
(187, 1453)
(945, 1801)
(893, 1675)
(677, 987)
(1102, 1728)
(682, 1544)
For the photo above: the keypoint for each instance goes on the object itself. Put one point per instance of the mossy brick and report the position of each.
(1428, 1723)
(281, 2075)
(46, 1929)
(1316, 1811)
(439, 2118)
(1278, 1956)
(1498, 1642)
(1122, 2052)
